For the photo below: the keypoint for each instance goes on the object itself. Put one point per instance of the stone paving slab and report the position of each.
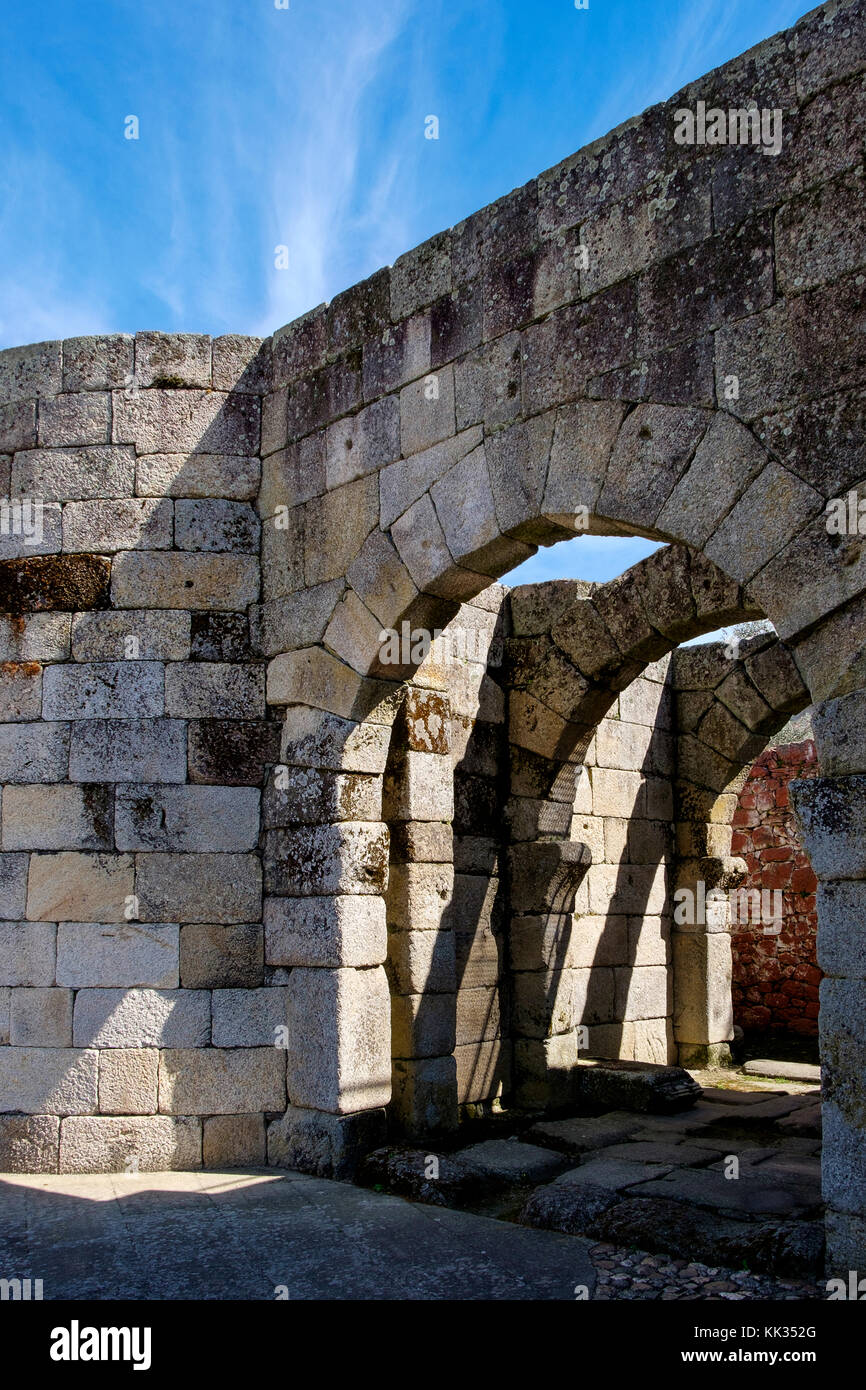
(509, 1160)
(241, 1235)
(583, 1133)
(751, 1192)
(614, 1174)
(788, 1071)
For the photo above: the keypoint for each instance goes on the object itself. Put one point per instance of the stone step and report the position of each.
(783, 1071)
(636, 1086)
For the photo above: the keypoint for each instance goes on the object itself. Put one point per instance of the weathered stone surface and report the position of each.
(338, 1047)
(233, 753)
(197, 475)
(313, 1141)
(104, 637)
(91, 954)
(48, 1080)
(186, 818)
(248, 1017)
(97, 363)
(224, 582)
(126, 750)
(172, 359)
(221, 956)
(138, 1144)
(40, 1018)
(79, 887)
(189, 888)
(131, 524)
(29, 1143)
(325, 931)
(57, 817)
(68, 475)
(234, 1141)
(42, 583)
(128, 1080)
(217, 1081)
(103, 690)
(141, 1018)
(350, 857)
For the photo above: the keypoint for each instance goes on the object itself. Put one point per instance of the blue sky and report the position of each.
(304, 127)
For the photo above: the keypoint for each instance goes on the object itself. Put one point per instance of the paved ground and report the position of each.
(211, 1235)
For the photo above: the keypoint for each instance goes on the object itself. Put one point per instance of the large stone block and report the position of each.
(177, 1018)
(425, 1095)
(132, 1144)
(29, 1143)
(197, 475)
(217, 1081)
(128, 1080)
(339, 1056)
(307, 796)
(316, 738)
(332, 931)
(215, 524)
(423, 1025)
(351, 857)
(830, 812)
(27, 953)
(702, 987)
(248, 1017)
(419, 896)
(103, 690)
(326, 1145)
(216, 819)
(159, 636)
(185, 580)
(79, 887)
(420, 787)
(203, 422)
(90, 954)
(422, 962)
(70, 475)
(232, 752)
(48, 1080)
(40, 1018)
(57, 817)
(127, 750)
(200, 887)
(20, 690)
(37, 637)
(13, 886)
(214, 956)
(97, 363)
(139, 523)
(234, 1141)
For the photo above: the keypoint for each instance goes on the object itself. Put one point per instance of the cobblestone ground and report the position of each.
(633, 1274)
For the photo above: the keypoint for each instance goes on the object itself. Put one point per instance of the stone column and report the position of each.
(703, 963)
(326, 868)
(832, 814)
(544, 878)
(419, 808)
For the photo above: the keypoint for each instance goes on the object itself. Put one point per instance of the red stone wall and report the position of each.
(775, 983)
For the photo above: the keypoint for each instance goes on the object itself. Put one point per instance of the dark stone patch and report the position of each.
(232, 752)
(220, 637)
(62, 583)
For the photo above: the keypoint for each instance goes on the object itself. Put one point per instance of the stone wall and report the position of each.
(776, 977)
(134, 740)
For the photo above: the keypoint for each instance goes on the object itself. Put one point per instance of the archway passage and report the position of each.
(700, 382)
